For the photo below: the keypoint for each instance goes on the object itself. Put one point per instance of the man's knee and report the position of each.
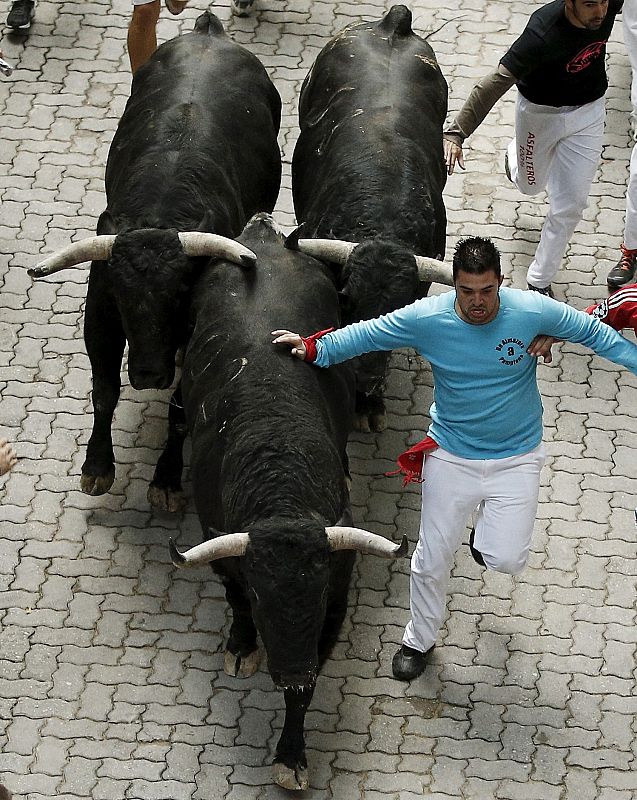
(510, 564)
(528, 181)
(530, 190)
(567, 217)
(146, 15)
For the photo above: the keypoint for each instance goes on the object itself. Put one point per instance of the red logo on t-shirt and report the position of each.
(585, 57)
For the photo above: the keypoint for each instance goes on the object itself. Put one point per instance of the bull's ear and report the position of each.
(207, 223)
(292, 241)
(345, 302)
(106, 224)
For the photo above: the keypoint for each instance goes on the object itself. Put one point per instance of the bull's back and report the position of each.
(371, 113)
(252, 409)
(202, 113)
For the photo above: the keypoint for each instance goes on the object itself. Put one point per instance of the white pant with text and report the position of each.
(556, 149)
(629, 24)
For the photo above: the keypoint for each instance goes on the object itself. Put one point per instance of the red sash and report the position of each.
(411, 461)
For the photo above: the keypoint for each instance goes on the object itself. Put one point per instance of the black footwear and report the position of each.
(477, 555)
(547, 291)
(175, 10)
(507, 166)
(624, 271)
(241, 8)
(408, 663)
(21, 14)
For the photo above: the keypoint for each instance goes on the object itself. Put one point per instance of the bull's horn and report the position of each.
(196, 243)
(342, 538)
(430, 269)
(94, 248)
(333, 250)
(230, 544)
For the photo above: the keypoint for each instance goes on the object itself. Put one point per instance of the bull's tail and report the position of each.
(209, 24)
(397, 21)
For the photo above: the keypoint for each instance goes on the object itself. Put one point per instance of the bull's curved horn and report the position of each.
(196, 243)
(230, 544)
(430, 269)
(334, 250)
(94, 248)
(342, 538)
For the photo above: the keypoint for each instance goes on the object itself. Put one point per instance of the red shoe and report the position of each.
(624, 271)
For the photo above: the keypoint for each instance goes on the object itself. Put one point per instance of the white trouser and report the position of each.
(629, 21)
(505, 492)
(556, 149)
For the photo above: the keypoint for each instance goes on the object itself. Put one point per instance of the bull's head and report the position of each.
(150, 280)
(290, 573)
(378, 277)
(148, 273)
(336, 251)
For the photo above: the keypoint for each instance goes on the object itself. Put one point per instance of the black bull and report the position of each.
(368, 167)
(195, 150)
(269, 436)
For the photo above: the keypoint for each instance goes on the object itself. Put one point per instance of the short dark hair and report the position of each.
(476, 255)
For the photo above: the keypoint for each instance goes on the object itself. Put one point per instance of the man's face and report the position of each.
(587, 14)
(477, 299)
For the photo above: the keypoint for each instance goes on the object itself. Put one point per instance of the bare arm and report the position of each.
(540, 347)
(8, 457)
(293, 340)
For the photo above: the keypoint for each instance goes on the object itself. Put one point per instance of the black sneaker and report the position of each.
(547, 291)
(408, 663)
(21, 14)
(477, 555)
(241, 8)
(624, 271)
(507, 166)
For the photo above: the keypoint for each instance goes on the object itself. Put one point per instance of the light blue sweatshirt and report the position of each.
(486, 400)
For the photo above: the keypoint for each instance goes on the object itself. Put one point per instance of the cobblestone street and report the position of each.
(111, 661)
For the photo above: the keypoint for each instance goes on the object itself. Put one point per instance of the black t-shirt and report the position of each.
(557, 64)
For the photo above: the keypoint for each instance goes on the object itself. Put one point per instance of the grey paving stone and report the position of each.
(111, 665)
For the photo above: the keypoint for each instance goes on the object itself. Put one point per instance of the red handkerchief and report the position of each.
(410, 462)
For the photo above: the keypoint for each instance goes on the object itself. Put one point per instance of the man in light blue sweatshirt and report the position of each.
(482, 342)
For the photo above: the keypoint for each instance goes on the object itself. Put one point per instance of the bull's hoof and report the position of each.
(97, 484)
(361, 423)
(163, 498)
(377, 422)
(368, 423)
(241, 666)
(293, 779)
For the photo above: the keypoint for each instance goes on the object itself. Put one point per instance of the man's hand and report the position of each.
(453, 155)
(291, 339)
(540, 347)
(8, 457)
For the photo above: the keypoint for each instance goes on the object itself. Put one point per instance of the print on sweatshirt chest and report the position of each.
(510, 351)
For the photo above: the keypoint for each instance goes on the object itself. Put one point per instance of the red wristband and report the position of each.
(310, 344)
